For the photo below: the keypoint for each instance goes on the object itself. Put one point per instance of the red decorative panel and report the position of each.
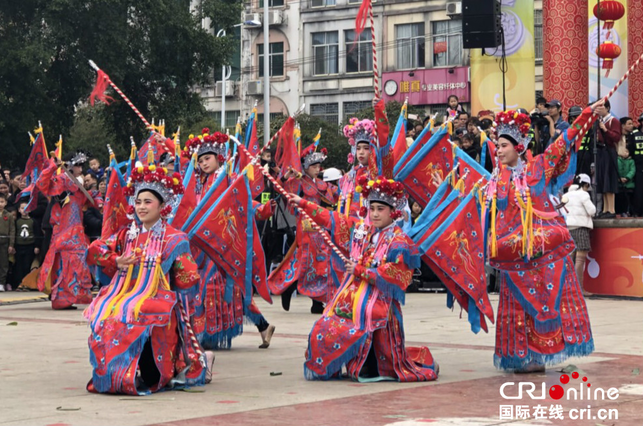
(565, 58)
(635, 49)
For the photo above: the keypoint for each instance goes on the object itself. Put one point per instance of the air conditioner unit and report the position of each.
(255, 87)
(275, 17)
(256, 17)
(454, 7)
(229, 89)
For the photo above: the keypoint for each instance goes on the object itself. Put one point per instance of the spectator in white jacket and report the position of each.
(579, 221)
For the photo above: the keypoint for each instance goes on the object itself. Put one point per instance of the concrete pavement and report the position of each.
(44, 368)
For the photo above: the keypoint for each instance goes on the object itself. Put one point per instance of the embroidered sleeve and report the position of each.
(553, 160)
(339, 224)
(103, 253)
(185, 271)
(263, 211)
(292, 185)
(51, 184)
(391, 278)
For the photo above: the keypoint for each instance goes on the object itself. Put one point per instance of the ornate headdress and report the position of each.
(78, 158)
(207, 143)
(514, 126)
(358, 131)
(381, 190)
(310, 156)
(164, 182)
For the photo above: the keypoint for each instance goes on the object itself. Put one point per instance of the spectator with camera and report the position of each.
(555, 124)
(538, 122)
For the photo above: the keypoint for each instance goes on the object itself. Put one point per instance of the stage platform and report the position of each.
(615, 264)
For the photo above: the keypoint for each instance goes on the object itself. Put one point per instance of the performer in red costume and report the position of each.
(216, 321)
(542, 317)
(307, 266)
(362, 327)
(65, 268)
(141, 340)
(361, 135)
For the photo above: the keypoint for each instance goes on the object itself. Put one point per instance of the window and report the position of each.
(322, 3)
(410, 45)
(538, 34)
(352, 108)
(359, 53)
(273, 117)
(354, 1)
(230, 118)
(272, 3)
(447, 43)
(328, 112)
(325, 53)
(276, 57)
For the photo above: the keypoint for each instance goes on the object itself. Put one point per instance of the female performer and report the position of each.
(542, 318)
(362, 327)
(307, 266)
(141, 340)
(65, 268)
(216, 321)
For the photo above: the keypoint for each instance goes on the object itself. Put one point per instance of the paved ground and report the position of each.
(44, 368)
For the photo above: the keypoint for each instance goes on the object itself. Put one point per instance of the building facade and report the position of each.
(316, 58)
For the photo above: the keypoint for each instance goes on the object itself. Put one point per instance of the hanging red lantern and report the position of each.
(609, 11)
(608, 51)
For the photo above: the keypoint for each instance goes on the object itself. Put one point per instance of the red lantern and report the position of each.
(608, 51)
(609, 11)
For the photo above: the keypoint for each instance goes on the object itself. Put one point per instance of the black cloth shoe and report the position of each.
(286, 296)
(608, 216)
(317, 308)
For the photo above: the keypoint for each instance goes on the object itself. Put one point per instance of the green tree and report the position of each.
(156, 51)
(90, 132)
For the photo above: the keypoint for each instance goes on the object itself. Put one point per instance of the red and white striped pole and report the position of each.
(285, 193)
(125, 98)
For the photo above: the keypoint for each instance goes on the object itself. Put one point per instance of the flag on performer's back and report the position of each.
(436, 157)
(38, 161)
(453, 246)
(227, 233)
(115, 205)
(287, 154)
(469, 171)
(398, 139)
(251, 143)
(189, 198)
(159, 145)
(385, 161)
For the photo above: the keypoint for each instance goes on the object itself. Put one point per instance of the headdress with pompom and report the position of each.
(381, 190)
(164, 182)
(310, 156)
(514, 126)
(359, 131)
(207, 143)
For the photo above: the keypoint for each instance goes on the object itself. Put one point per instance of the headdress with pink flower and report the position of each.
(358, 131)
(381, 190)
(207, 143)
(514, 126)
(164, 182)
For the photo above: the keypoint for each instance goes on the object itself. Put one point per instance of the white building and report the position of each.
(315, 59)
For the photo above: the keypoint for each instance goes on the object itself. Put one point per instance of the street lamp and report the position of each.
(266, 72)
(226, 70)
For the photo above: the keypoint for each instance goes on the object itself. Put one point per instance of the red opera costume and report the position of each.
(217, 321)
(565, 51)
(362, 327)
(140, 340)
(65, 266)
(308, 262)
(542, 317)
